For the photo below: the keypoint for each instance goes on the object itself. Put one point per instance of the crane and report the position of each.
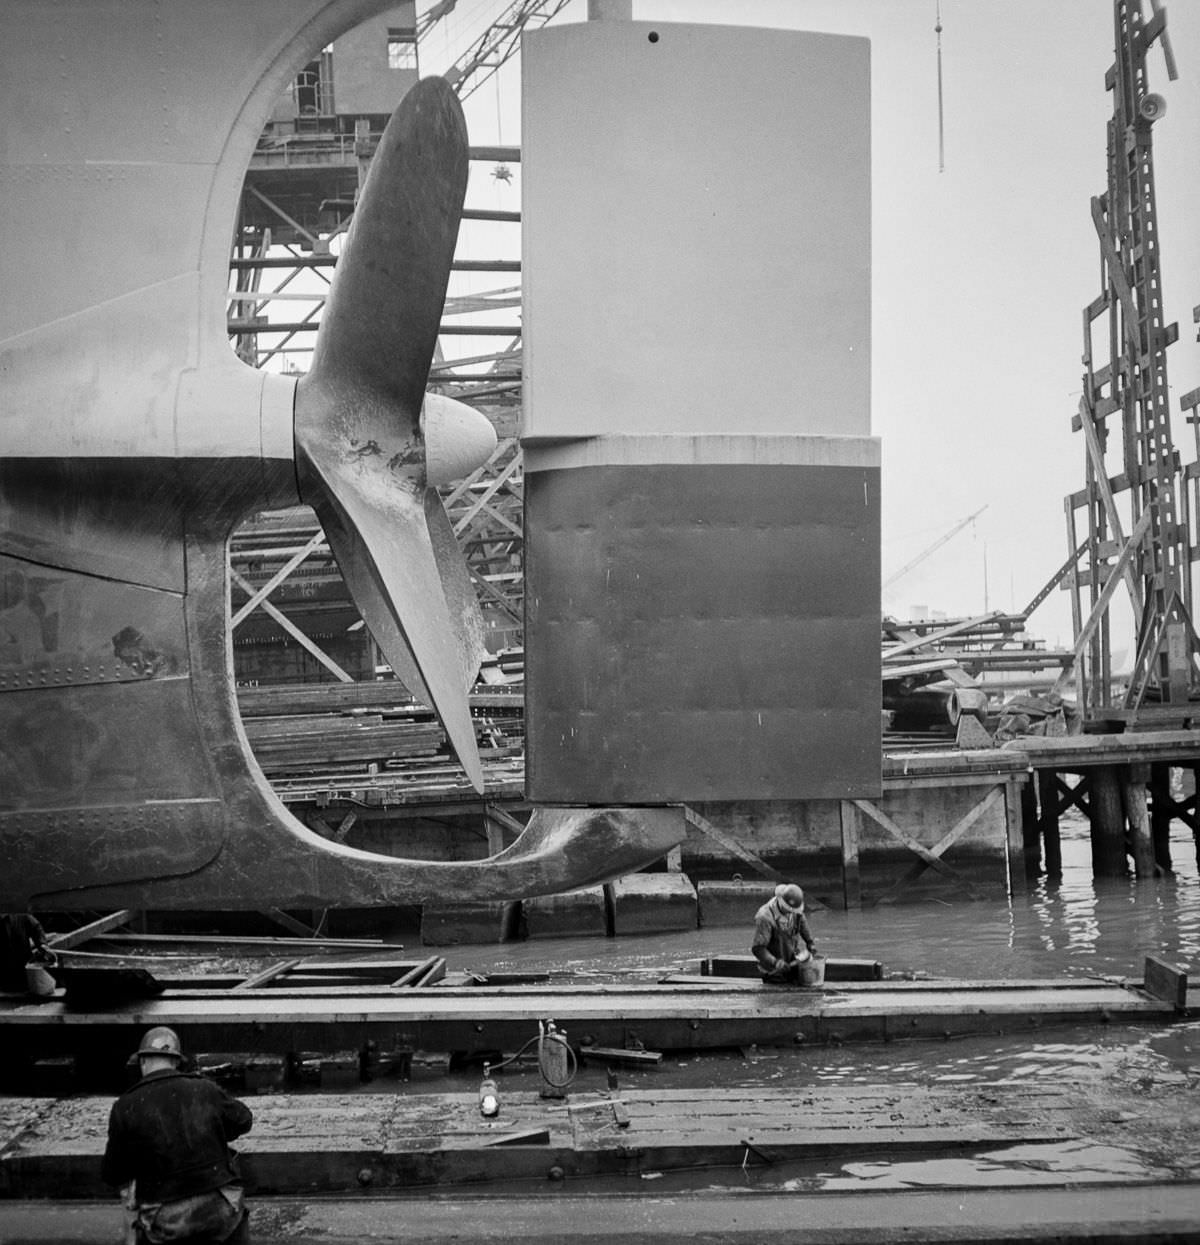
(501, 39)
(937, 544)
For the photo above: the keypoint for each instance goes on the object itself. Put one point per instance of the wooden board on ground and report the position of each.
(698, 1015)
(837, 968)
(323, 1144)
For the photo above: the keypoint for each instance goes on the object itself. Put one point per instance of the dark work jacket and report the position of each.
(20, 935)
(171, 1134)
(780, 932)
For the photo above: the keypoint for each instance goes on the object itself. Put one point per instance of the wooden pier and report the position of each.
(339, 1142)
(1123, 788)
(680, 1012)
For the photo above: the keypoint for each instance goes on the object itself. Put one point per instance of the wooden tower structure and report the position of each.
(1132, 521)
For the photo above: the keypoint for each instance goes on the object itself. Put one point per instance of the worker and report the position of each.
(169, 1137)
(780, 928)
(22, 941)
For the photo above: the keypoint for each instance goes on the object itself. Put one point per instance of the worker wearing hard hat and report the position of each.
(169, 1137)
(783, 943)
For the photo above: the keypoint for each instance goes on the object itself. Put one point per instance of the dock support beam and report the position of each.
(1050, 805)
(1030, 828)
(1134, 783)
(1161, 810)
(851, 819)
(1108, 824)
(1015, 793)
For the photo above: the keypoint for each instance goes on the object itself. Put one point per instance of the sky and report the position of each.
(980, 271)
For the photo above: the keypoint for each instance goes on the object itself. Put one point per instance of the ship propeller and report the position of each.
(367, 458)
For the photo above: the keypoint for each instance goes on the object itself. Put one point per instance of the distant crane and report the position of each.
(498, 43)
(937, 544)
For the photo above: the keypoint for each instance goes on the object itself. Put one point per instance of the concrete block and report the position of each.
(445, 925)
(733, 903)
(581, 912)
(653, 903)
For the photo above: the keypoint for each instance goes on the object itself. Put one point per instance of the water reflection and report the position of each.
(1033, 1164)
(1072, 926)
(1069, 927)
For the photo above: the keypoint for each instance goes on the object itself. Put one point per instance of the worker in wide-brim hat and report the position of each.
(783, 942)
(169, 1138)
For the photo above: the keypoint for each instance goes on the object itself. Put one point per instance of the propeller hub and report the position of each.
(458, 439)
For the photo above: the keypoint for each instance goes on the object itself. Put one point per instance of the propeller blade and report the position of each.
(456, 583)
(382, 541)
(381, 319)
(360, 449)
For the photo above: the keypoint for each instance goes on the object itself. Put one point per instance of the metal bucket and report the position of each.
(38, 980)
(813, 972)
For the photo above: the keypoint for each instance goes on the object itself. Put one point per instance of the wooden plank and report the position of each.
(432, 975)
(1166, 981)
(851, 827)
(344, 827)
(85, 933)
(730, 844)
(943, 844)
(1083, 639)
(935, 637)
(267, 974)
(1081, 752)
(322, 1143)
(630, 1058)
(386, 967)
(288, 922)
(208, 941)
(1015, 835)
(523, 1137)
(1096, 453)
(503, 818)
(837, 968)
(415, 974)
(919, 849)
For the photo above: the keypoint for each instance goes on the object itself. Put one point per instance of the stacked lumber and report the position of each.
(375, 741)
(291, 746)
(936, 672)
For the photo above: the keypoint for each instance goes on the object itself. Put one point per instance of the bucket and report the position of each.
(813, 972)
(38, 981)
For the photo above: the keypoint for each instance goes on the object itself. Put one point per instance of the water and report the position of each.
(1076, 926)
(1072, 927)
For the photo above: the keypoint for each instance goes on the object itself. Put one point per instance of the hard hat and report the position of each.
(161, 1041)
(791, 897)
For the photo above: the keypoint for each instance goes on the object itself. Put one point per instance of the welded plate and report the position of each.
(61, 628)
(702, 632)
(70, 850)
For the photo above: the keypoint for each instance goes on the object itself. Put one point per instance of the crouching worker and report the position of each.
(169, 1136)
(783, 943)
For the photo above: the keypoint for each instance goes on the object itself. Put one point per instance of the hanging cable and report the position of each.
(501, 173)
(941, 127)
